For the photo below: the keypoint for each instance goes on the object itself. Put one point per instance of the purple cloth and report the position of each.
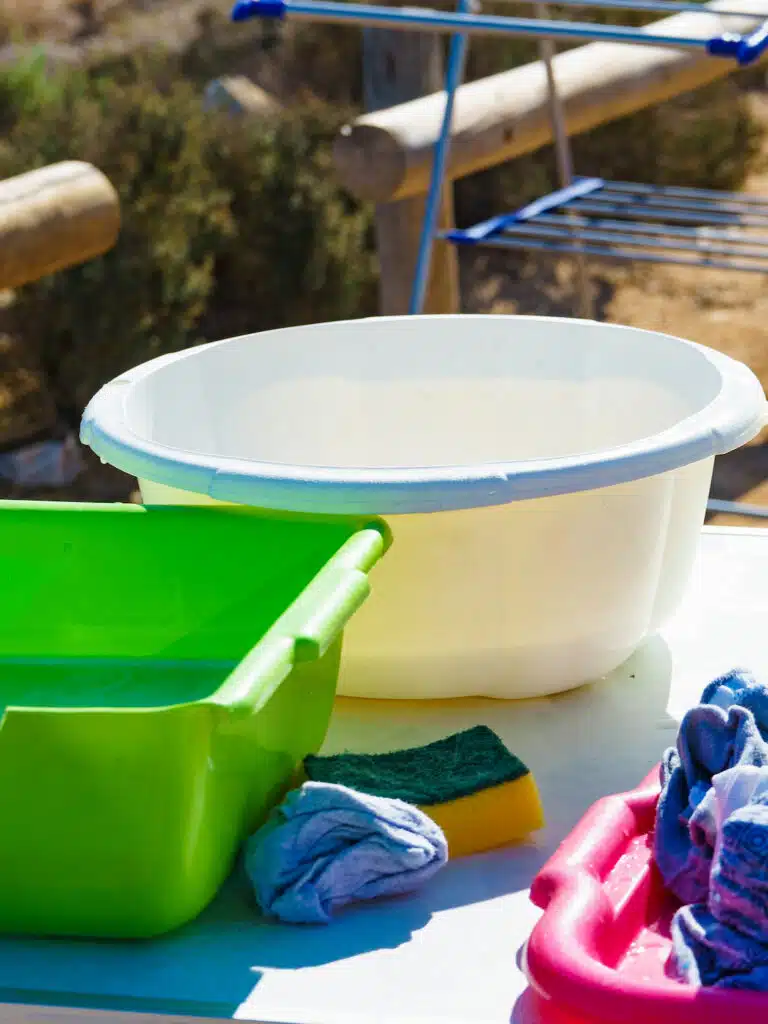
(726, 729)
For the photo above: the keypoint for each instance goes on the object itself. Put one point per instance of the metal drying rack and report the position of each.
(626, 220)
(585, 216)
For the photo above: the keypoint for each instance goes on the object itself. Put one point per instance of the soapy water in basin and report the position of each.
(107, 682)
(644, 911)
(384, 394)
(647, 958)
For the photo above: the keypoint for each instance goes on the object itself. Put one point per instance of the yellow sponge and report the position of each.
(489, 818)
(479, 793)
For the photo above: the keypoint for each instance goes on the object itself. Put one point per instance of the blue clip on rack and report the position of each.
(745, 49)
(246, 9)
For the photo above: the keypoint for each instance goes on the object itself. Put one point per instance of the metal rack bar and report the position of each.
(671, 213)
(660, 204)
(736, 508)
(659, 200)
(652, 229)
(648, 224)
(564, 230)
(555, 200)
(690, 193)
(615, 252)
(744, 49)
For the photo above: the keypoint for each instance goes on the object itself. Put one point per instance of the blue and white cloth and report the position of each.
(723, 942)
(328, 845)
(727, 729)
(711, 840)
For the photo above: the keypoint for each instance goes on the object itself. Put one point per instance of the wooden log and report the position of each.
(386, 155)
(397, 67)
(53, 218)
(240, 95)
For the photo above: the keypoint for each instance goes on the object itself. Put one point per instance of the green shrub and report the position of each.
(303, 249)
(228, 226)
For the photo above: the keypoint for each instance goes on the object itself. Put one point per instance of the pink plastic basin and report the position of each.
(598, 954)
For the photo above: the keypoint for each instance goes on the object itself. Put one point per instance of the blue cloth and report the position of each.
(728, 728)
(328, 845)
(723, 942)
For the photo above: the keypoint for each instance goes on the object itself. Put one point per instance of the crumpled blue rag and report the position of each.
(724, 942)
(328, 845)
(711, 840)
(728, 728)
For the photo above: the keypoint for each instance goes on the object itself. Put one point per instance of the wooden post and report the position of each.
(401, 66)
(53, 218)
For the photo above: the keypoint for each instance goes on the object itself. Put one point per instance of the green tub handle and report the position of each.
(309, 627)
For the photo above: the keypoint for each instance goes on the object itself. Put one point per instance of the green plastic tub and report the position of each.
(162, 673)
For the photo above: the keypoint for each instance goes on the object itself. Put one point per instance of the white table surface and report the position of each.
(447, 954)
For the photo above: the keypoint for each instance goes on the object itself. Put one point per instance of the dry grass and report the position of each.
(62, 20)
(31, 19)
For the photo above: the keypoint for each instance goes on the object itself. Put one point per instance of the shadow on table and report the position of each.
(642, 719)
(211, 966)
(203, 969)
(622, 720)
(530, 1008)
(389, 923)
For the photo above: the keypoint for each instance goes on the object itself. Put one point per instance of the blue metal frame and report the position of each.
(744, 49)
(245, 9)
(453, 76)
(635, 222)
(555, 200)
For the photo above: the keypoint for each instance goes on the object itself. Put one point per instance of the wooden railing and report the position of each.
(53, 218)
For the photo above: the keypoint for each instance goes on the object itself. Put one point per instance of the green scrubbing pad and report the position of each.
(451, 768)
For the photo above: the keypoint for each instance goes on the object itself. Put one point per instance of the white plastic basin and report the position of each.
(563, 467)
